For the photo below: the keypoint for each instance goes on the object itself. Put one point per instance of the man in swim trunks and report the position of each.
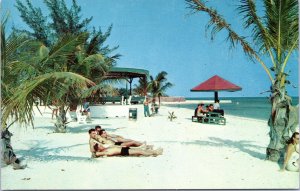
(100, 144)
(124, 151)
(119, 141)
(98, 128)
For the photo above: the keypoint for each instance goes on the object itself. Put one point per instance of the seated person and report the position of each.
(94, 138)
(124, 151)
(217, 104)
(217, 109)
(201, 110)
(210, 108)
(196, 110)
(291, 160)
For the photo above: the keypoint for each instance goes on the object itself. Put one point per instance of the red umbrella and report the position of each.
(215, 84)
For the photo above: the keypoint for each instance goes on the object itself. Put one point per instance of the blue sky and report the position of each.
(162, 35)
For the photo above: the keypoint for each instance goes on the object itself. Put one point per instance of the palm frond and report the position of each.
(21, 103)
(282, 22)
(260, 34)
(217, 23)
(65, 48)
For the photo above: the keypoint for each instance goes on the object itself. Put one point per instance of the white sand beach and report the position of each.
(196, 156)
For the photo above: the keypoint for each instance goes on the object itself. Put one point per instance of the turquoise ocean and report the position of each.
(251, 107)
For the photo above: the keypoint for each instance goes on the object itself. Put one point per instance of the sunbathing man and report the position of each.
(124, 151)
(119, 141)
(99, 149)
(94, 138)
(98, 128)
(117, 138)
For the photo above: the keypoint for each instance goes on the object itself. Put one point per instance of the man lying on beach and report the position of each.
(98, 128)
(124, 151)
(119, 141)
(94, 138)
(99, 148)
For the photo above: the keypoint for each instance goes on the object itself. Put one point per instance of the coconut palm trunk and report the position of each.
(61, 121)
(7, 154)
(283, 119)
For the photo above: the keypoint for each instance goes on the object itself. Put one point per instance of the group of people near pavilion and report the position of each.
(201, 110)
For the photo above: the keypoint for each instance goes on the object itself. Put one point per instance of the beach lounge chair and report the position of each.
(214, 118)
(123, 101)
(80, 118)
(129, 100)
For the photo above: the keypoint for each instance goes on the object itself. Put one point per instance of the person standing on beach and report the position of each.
(55, 109)
(86, 109)
(146, 107)
(291, 160)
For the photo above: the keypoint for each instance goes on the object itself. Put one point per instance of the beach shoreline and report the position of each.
(201, 156)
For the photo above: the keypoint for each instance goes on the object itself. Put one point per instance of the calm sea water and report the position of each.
(251, 107)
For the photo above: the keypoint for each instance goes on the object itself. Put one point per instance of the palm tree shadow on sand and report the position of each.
(38, 150)
(243, 146)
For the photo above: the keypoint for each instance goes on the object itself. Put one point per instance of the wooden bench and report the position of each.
(214, 117)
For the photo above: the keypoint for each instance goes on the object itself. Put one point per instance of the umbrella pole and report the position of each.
(216, 96)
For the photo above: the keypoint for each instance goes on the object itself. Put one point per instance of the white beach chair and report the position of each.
(80, 118)
(129, 100)
(123, 101)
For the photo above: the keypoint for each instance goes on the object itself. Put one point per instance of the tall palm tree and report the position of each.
(274, 35)
(159, 85)
(142, 87)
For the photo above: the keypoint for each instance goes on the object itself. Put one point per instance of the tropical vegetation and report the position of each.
(89, 57)
(274, 36)
(157, 86)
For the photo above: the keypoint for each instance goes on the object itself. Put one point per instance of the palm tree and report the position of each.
(274, 35)
(142, 88)
(91, 59)
(26, 75)
(159, 85)
(30, 71)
